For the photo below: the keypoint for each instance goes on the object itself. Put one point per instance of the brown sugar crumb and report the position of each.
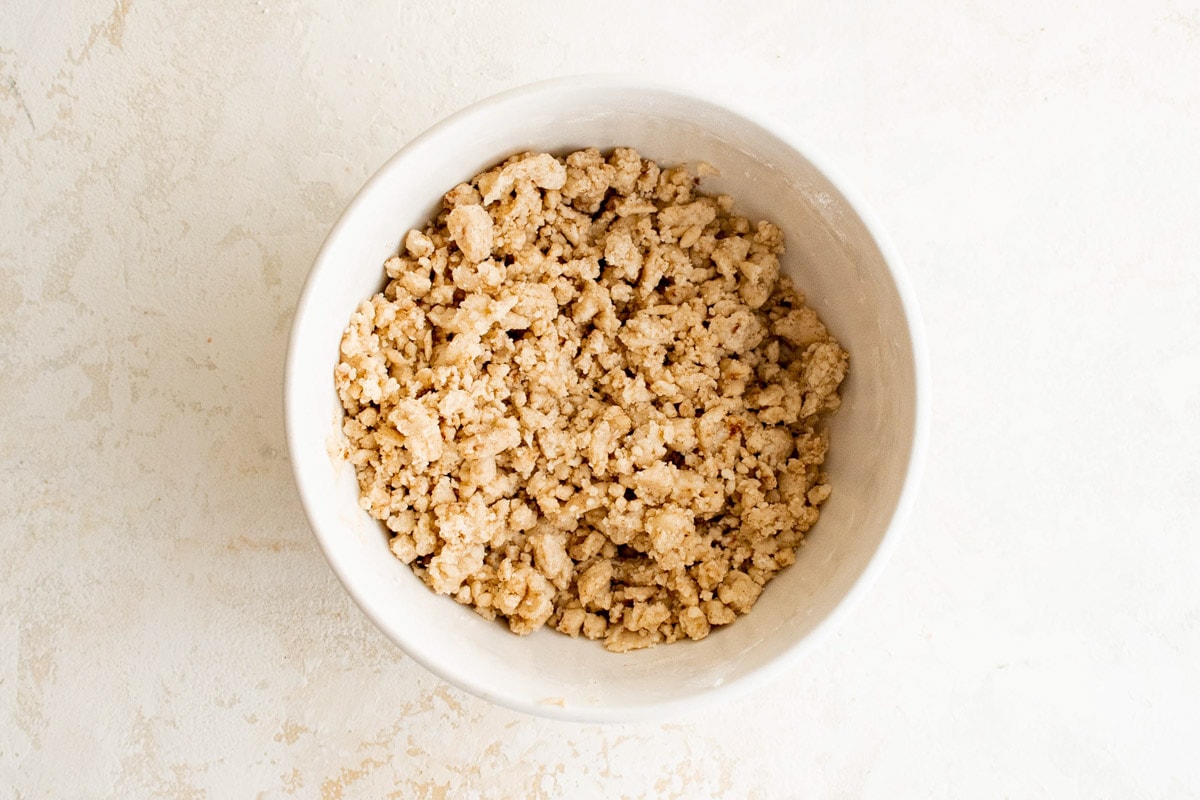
(587, 399)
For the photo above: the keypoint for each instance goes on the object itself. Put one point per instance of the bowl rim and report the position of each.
(466, 679)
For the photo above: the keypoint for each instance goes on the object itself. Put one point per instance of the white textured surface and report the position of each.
(167, 626)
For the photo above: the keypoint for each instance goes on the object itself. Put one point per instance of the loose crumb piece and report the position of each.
(587, 399)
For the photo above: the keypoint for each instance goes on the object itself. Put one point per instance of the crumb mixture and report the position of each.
(587, 399)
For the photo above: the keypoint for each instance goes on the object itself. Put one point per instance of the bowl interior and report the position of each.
(832, 257)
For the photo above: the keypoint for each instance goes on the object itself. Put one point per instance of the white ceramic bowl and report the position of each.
(837, 254)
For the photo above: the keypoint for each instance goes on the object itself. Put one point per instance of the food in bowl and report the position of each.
(587, 399)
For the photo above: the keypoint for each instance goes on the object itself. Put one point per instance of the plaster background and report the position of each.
(167, 624)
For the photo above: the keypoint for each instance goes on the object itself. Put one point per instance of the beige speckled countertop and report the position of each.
(168, 627)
